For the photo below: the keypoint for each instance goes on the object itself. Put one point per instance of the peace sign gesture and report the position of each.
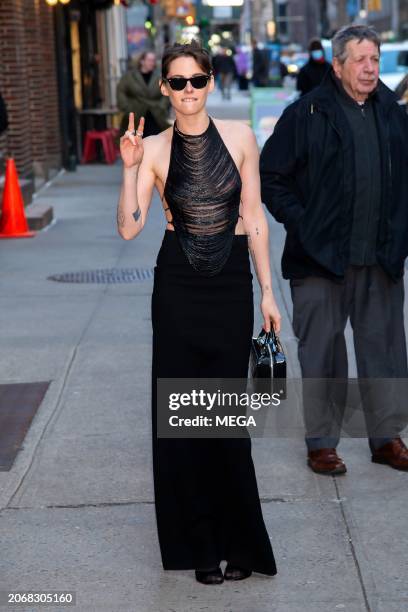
(131, 146)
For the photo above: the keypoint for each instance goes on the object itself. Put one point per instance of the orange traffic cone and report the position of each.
(13, 223)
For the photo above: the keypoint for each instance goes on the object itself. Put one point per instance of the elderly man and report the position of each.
(335, 173)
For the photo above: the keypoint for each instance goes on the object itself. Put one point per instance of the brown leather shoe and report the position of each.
(394, 453)
(326, 461)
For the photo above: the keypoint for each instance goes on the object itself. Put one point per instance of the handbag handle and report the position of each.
(265, 337)
(270, 341)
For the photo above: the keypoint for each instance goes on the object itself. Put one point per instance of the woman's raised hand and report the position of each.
(131, 144)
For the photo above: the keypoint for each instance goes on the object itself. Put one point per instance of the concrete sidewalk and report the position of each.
(77, 507)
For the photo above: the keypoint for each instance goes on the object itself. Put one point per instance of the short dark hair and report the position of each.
(353, 32)
(192, 49)
(315, 45)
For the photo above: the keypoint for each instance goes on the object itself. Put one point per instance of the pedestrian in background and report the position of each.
(206, 172)
(402, 90)
(314, 71)
(260, 66)
(138, 92)
(242, 67)
(226, 69)
(335, 173)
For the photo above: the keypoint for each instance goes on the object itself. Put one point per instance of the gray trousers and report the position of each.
(374, 304)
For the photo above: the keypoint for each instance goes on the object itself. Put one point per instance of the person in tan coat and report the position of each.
(138, 92)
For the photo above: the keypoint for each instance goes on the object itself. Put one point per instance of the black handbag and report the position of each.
(268, 361)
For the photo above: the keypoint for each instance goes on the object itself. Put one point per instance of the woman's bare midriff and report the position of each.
(239, 228)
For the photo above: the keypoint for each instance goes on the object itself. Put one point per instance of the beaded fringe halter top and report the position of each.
(203, 193)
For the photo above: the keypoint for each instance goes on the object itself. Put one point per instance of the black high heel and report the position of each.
(233, 572)
(213, 576)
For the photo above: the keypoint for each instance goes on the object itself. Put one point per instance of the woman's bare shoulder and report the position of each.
(154, 143)
(157, 151)
(155, 148)
(239, 131)
(233, 125)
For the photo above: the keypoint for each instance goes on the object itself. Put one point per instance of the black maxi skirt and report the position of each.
(206, 495)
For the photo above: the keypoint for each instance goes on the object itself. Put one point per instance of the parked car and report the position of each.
(393, 63)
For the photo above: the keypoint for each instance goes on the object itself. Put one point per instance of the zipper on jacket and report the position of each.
(389, 182)
(386, 180)
(337, 131)
(332, 125)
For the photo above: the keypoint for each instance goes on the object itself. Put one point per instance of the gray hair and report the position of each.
(352, 32)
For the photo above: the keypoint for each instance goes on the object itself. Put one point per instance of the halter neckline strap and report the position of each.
(184, 135)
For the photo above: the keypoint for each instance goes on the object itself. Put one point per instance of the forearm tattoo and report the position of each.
(265, 288)
(136, 214)
(121, 218)
(251, 250)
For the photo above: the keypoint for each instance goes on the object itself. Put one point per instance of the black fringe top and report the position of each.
(203, 193)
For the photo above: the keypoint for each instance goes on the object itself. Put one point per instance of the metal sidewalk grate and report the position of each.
(109, 276)
(19, 403)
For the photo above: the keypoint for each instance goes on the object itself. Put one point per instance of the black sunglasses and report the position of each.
(179, 83)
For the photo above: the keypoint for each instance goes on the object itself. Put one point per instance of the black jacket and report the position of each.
(311, 75)
(308, 183)
(224, 64)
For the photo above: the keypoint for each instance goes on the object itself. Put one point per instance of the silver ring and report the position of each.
(130, 132)
(139, 133)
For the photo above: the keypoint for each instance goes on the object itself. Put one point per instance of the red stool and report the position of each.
(108, 146)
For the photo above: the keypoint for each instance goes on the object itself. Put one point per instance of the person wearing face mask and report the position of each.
(139, 92)
(313, 73)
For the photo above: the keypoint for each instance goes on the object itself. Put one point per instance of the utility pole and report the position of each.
(395, 25)
(324, 20)
(275, 15)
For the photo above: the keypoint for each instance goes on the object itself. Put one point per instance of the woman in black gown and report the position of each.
(206, 171)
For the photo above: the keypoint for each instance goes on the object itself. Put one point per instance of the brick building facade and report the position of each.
(28, 83)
